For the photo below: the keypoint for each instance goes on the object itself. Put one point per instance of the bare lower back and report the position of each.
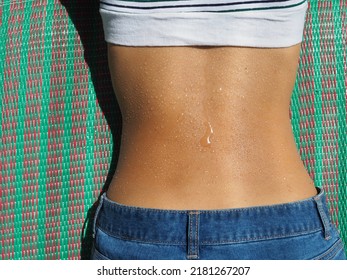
(206, 127)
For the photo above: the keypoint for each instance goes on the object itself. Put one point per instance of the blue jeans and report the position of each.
(296, 230)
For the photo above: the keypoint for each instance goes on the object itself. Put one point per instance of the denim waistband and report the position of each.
(219, 226)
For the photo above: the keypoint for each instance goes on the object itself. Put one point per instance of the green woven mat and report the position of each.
(60, 123)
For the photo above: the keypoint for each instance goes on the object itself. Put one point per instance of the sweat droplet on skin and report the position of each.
(205, 141)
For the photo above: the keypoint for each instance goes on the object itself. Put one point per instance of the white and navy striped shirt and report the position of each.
(254, 23)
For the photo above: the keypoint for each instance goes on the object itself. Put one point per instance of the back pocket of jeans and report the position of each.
(336, 251)
(98, 256)
(98, 246)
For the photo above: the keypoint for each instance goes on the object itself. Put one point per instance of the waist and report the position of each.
(167, 169)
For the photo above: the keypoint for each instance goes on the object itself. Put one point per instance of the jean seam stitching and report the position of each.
(324, 218)
(96, 215)
(98, 253)
(124, 237)
(259, 239)
(190, 236)
(338, 250)
(197, 234)
(336, 246)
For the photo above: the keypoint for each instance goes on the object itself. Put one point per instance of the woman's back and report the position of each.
(205, 96)
(206, 127)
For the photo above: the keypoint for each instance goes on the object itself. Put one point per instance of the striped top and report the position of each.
(252, 23)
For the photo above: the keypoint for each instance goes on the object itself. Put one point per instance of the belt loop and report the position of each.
(97, 212)
(323, 216)
(193, 235)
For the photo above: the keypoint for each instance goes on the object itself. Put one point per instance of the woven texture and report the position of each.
(60, 122)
